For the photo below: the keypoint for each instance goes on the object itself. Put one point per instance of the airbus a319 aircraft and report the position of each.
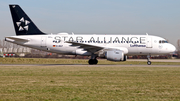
(111, 47)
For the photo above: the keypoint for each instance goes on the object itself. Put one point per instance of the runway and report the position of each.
(156, 60)
(84, 65)
(107, 65)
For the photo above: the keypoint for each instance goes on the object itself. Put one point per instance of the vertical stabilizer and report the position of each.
(22, 23)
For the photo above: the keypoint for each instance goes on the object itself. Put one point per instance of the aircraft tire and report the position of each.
(149, 62)
(93, 61)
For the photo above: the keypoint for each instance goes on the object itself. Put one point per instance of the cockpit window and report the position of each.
(163, 41)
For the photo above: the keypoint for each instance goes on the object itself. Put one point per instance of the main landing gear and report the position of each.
(148, 59)
(93, 60)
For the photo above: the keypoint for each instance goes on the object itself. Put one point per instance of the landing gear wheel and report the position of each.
(93, 61)
(149, 62)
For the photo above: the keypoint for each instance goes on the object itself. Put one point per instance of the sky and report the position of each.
(123, 17)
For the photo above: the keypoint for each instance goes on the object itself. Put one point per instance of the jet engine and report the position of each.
(115, 55)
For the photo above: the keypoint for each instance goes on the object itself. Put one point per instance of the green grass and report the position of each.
(74, 61)
(80, 83)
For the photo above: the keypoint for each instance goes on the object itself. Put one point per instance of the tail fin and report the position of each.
(22, 23)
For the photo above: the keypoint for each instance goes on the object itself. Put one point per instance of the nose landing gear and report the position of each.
(148, 59)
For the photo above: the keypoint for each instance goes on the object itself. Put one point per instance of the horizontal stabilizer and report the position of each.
(16, 39)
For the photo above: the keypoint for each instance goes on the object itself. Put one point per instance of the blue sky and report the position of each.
(155, 17)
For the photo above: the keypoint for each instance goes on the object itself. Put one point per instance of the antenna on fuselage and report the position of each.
(146, 33)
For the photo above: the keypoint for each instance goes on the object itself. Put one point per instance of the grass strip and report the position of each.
(102, 83)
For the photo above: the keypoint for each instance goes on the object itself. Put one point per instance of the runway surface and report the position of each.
(156, 60)
(107, 65)
(84, 65)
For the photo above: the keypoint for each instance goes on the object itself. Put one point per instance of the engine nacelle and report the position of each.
(115, 55)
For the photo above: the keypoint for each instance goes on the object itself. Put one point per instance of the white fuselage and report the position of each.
(130, 44)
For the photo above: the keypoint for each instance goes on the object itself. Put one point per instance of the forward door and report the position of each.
(148, 42)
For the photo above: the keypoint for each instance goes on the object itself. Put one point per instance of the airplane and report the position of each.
(112, 47)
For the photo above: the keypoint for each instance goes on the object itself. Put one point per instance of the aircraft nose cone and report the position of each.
(172, 48)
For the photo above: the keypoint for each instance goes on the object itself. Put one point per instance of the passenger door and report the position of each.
(148, 42)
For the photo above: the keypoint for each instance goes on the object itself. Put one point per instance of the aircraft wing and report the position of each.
(96, 48)
(89, 47)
